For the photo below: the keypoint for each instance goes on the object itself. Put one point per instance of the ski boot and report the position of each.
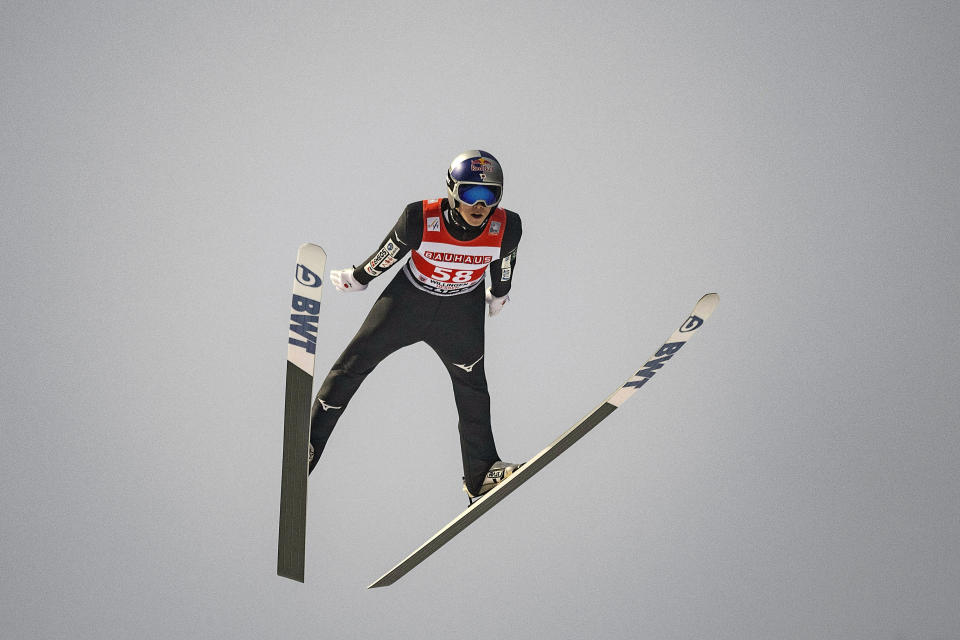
(498, 472)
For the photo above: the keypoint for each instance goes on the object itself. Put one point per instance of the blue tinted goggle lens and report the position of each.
(474, 193)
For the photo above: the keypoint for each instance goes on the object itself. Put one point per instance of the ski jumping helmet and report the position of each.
(474, 176)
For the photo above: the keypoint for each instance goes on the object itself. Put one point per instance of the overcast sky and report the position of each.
(793, 473)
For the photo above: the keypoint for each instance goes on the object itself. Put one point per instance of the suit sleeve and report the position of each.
(406, 234)
(502, 270)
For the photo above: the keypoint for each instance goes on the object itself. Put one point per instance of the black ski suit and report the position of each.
(406, 313)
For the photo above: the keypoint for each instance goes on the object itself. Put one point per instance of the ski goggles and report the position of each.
(475, 193)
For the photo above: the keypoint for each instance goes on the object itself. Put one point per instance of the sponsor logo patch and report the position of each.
(505, 269)
(433, 224)
(325, 406)
(480, 164)
(384, 258)
(494, 228)
(468, 367)
(457, 258)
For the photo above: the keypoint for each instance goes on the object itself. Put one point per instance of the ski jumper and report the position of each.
(437, 298)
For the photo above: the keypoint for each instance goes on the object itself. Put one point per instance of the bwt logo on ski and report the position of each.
(657, 361)
(303, 323)
(692, 324)
(308, 278)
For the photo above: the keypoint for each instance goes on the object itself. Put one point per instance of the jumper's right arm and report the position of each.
(406, 234)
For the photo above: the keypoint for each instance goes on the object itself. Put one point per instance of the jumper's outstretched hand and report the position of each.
(495, 303)
(343, 280)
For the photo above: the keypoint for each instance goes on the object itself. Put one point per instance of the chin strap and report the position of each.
(453, 216)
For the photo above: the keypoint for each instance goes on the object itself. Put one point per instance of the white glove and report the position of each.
(495, 303)
(343, 280)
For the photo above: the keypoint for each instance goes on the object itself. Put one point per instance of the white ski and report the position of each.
(301, 357)
(700, 313)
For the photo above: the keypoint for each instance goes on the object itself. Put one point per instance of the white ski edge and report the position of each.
(701, 311)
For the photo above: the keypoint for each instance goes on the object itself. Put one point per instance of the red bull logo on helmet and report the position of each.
(481, 164)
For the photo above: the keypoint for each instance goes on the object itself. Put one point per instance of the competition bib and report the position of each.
(446, 266)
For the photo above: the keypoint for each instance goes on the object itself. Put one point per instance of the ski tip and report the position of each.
(706, 305)
(308, 248)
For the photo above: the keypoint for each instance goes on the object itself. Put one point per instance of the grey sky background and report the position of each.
(792, 475)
